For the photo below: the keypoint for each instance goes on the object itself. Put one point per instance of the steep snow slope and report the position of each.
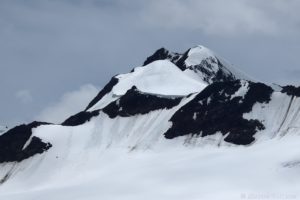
(280, 116)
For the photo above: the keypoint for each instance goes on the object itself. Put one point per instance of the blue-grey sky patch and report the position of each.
(24, 96)
(53, 47)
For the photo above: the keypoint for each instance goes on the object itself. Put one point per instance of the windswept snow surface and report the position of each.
(262, 171)
(281, 116)
(159, 77)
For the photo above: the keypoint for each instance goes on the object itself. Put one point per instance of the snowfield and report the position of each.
(262, 171)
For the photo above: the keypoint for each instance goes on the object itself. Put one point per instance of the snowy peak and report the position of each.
(197, 54)
(201, 63)
(169, 73)
(207, 66)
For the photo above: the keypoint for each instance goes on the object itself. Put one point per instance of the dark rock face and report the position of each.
(161, 54)
(206, 69)
(134, 102)
(107, 88)
(180, 63)
(291, 90)
(213, 110)
(221, 75)
(80, 118)
(13, 141)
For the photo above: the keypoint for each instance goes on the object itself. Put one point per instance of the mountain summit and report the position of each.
(168, 73)
(202, 61)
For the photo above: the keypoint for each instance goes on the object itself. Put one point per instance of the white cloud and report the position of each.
(24, 96)
(69, 104)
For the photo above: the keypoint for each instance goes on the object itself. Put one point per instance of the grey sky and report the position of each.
(50, 47)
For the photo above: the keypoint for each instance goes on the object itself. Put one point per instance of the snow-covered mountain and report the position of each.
(174, 104)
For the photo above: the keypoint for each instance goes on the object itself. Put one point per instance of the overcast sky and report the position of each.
(55, 55)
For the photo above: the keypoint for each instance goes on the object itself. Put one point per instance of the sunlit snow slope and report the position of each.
(181, 126)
